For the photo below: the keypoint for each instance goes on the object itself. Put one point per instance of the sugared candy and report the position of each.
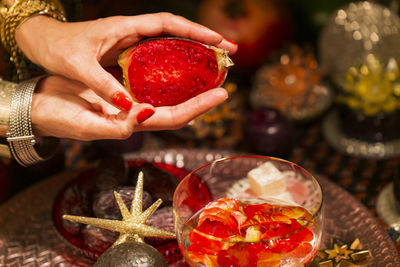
(266, 180)
(111, 172)
(74, 202)
(162, 219)
(97, 238)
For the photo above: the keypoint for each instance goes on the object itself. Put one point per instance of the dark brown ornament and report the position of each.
(133, 254)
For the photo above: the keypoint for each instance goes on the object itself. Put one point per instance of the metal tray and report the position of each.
(28, 236)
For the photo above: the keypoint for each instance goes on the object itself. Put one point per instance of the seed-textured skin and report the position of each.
(169, 71)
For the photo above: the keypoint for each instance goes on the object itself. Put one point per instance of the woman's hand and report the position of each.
(69, 109)
(80, 50)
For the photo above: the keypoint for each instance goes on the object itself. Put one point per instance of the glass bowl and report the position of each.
(258, 211)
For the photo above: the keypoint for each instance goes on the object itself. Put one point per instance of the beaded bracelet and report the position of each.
(17, 14)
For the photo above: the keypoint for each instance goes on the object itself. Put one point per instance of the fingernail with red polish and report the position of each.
(232, 42)
(122, 101)
(144, 115)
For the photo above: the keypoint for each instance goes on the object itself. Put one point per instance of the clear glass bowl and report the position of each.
(256, 211)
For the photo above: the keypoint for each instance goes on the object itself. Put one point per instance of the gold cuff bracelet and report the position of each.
(19, 12)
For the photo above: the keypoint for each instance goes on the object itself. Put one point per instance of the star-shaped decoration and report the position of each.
(133, 225)
(343, 255)
(338, 252)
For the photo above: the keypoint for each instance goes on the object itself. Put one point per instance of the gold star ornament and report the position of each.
(347, 255)
(133, 225)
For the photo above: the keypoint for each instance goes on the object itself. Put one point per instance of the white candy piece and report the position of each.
(266, 180)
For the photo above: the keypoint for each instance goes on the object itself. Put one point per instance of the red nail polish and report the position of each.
(232, 42)
(144, 115)
(122, 101)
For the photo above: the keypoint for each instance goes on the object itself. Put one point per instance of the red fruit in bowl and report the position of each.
(259, 27)
(169, 71)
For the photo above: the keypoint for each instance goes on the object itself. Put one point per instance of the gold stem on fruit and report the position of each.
(227, 61)
(222, 57)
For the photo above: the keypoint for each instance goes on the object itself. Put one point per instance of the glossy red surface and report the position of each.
(144, 115)
(166, 72)
(122, 101)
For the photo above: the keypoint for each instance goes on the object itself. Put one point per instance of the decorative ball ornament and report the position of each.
(131, 254)
(356, 31)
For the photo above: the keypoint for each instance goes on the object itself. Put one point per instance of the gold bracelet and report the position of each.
(17, 14)
(7, 90)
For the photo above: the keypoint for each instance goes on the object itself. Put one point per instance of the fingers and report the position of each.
(107, 87)
(229, 45)
(81, 116)
(167, 23)
(116, 126)
(67, 109)
(177, 116)
(80, 120)
(144, 117)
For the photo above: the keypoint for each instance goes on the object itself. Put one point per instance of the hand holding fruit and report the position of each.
(69, 109)
(80, 50)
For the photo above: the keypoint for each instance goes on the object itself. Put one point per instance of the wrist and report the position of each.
(29, 39)
(16, 136)
(23, 143)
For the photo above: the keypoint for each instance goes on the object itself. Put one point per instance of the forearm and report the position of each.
(27, 35)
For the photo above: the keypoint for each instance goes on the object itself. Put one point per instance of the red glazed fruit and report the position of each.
(259, 27)
(169, 71)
